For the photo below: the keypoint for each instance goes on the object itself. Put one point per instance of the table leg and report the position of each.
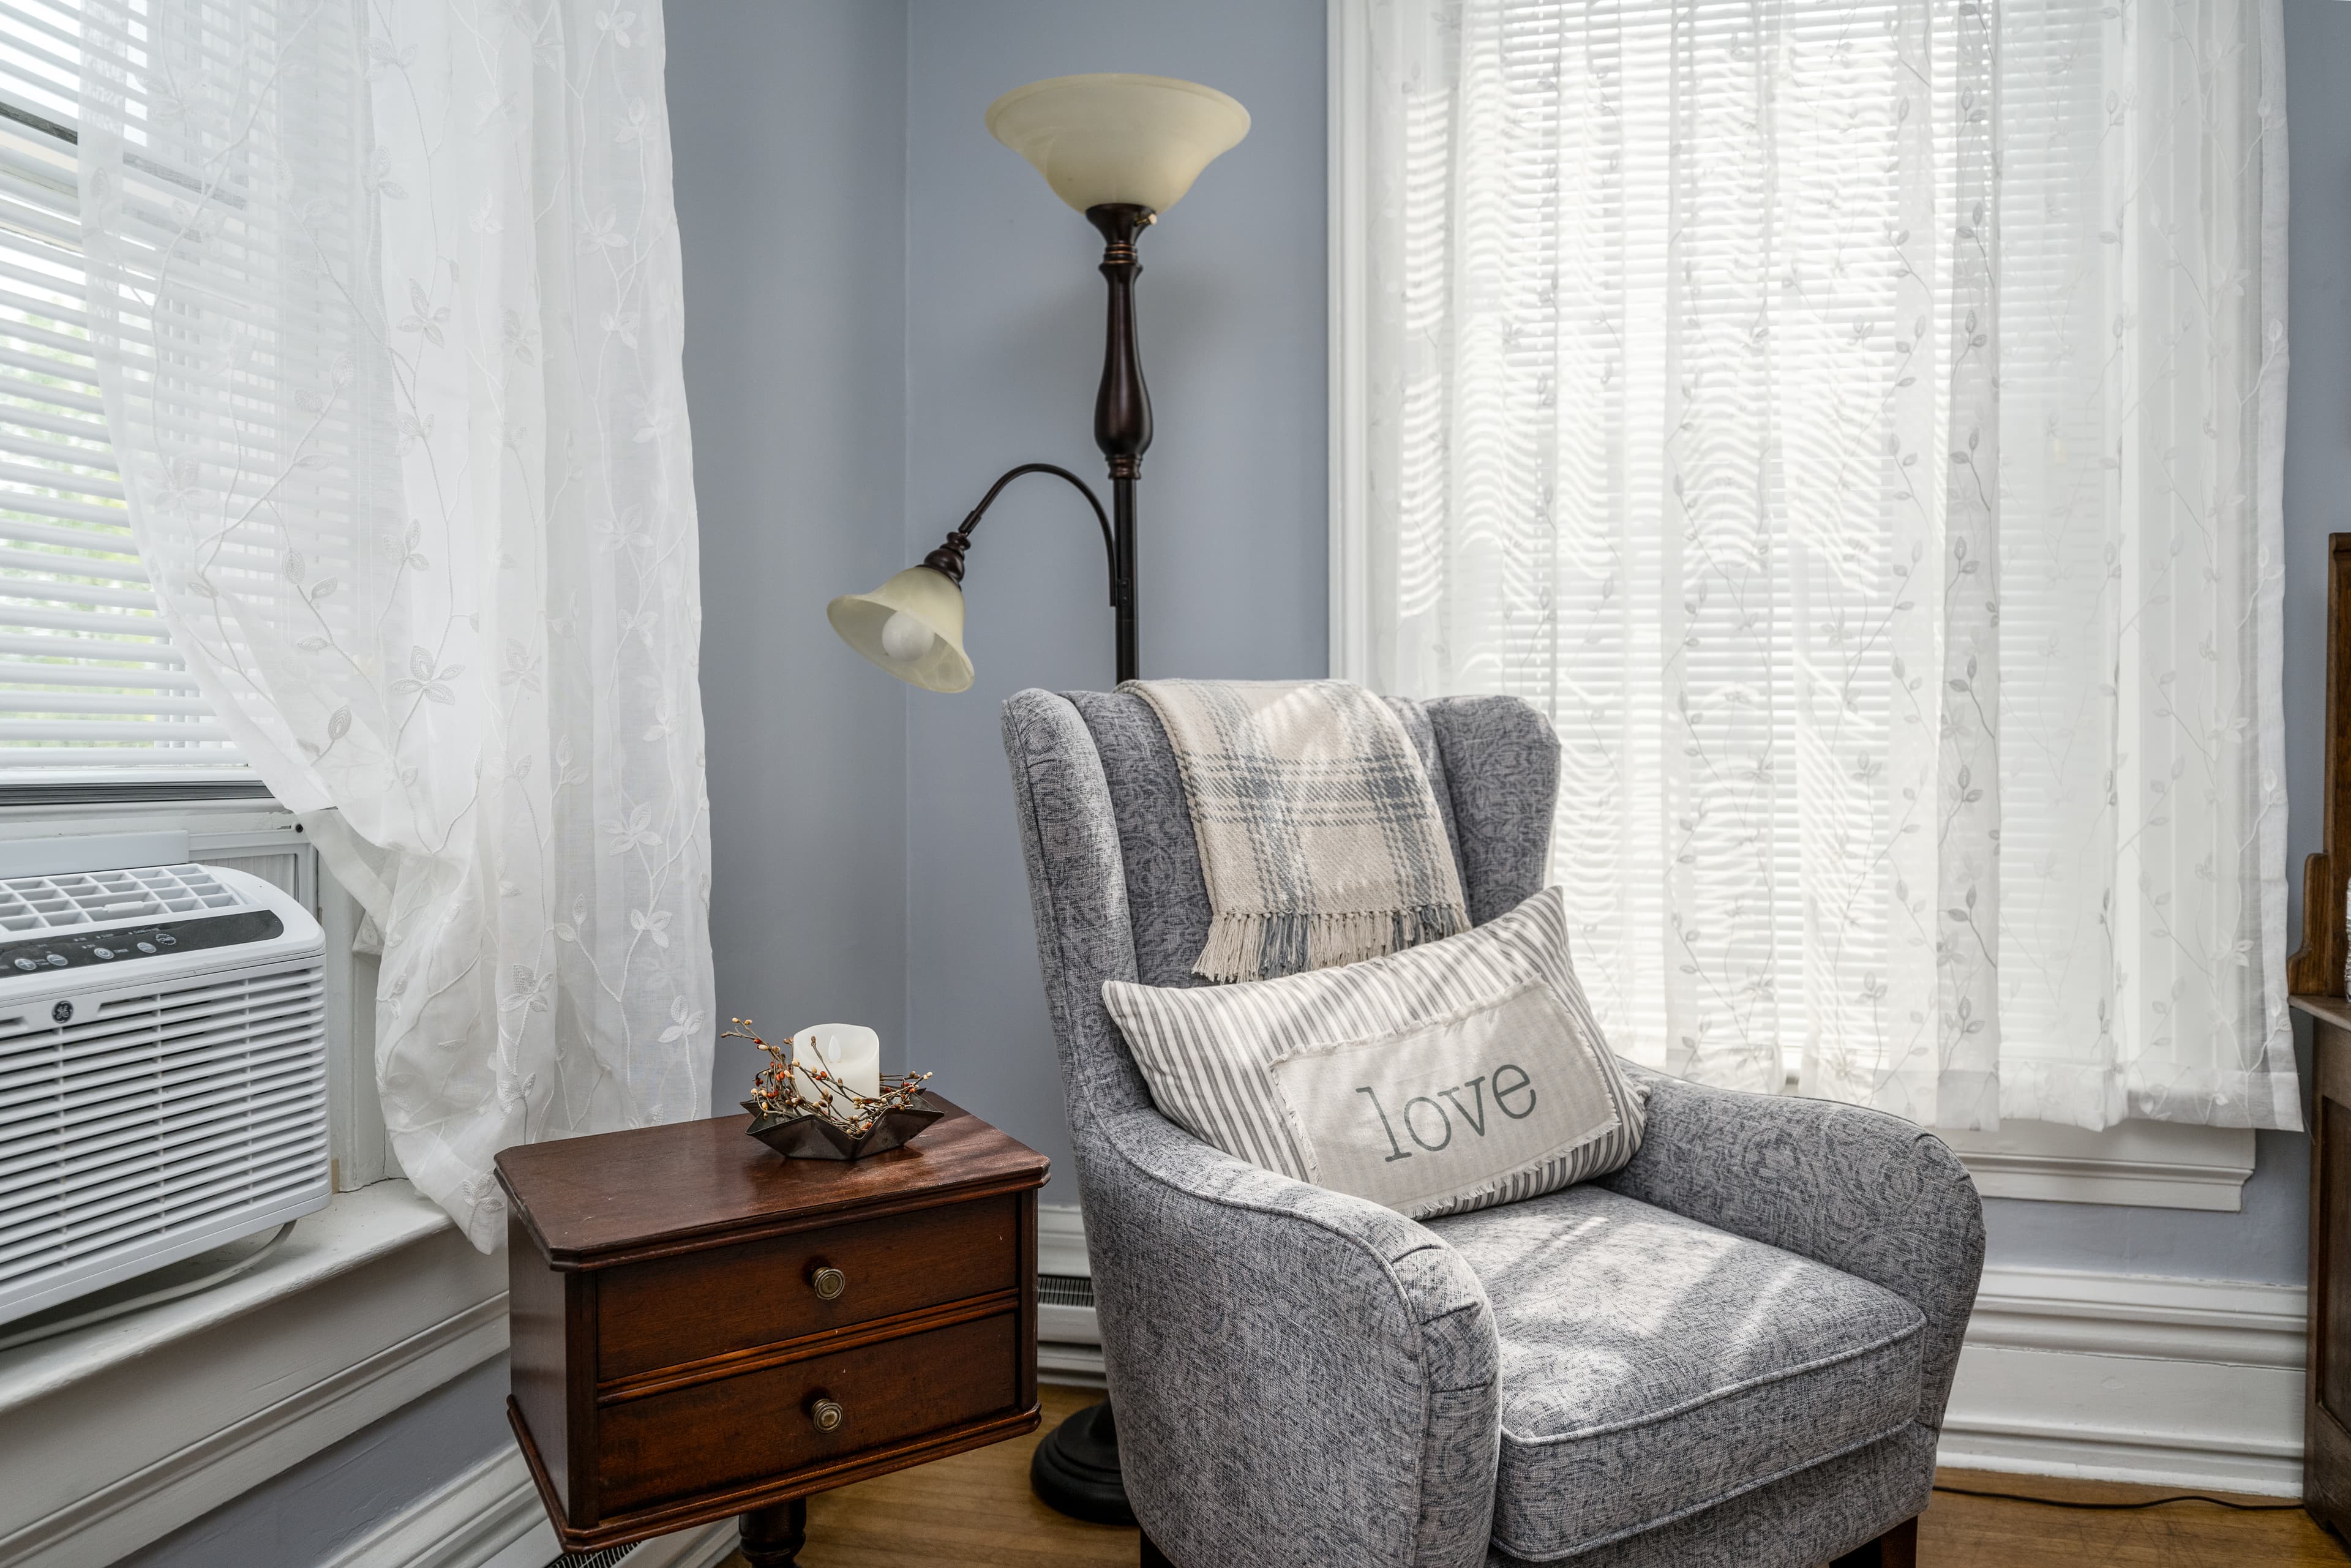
(772, 1537)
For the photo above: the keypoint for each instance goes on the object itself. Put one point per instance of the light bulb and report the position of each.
(904, 638)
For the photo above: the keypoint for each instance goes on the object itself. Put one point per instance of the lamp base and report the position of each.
(1076, 1471)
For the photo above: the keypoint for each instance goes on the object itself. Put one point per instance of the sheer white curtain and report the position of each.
(387, 303)
(1859, 426)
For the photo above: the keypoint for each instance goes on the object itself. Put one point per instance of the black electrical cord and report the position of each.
(2148, 1502)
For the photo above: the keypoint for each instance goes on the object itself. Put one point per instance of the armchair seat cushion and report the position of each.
(1652, 1366)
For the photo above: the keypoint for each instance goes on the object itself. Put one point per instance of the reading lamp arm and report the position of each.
(948, 557)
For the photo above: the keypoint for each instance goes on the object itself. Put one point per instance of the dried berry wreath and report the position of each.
(776, 1090)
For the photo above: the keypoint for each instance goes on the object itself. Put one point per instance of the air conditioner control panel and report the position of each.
(92, 949)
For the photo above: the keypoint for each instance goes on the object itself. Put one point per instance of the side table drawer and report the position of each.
(676, 1310)
(707, 1436)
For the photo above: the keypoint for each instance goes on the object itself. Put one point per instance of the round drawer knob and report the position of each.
(829, 1283)
(828, 1414)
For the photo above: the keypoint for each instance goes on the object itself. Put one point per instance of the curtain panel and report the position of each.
(386, 301)
(1859, 426)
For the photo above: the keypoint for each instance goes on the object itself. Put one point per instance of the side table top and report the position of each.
(2333, 1009)
(613, 1197)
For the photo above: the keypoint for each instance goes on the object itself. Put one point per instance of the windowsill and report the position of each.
(2133, 1165)
(2143, 1165)
(113, 1434)
(353, 1229)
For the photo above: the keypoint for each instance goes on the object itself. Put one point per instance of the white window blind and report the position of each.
(1856, 426)
(89, 687)
(1756, 293)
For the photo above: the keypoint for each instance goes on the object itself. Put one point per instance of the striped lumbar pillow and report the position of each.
(1452, 1076)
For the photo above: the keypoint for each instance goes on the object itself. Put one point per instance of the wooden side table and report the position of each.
(704, 1329)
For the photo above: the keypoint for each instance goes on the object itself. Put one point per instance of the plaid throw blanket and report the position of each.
(1318, 835)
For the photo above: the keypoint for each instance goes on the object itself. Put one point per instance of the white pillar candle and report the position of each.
(850, 1054)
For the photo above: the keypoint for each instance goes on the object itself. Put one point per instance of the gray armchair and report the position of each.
(1735, 1350)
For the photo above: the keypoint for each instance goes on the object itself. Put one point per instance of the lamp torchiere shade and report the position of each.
(912, 626)
(1116, 137)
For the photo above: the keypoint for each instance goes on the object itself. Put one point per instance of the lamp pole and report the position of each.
(1076, 1468)
(1122, 409)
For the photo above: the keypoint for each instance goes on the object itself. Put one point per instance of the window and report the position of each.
(90, 690)
(1855, 428)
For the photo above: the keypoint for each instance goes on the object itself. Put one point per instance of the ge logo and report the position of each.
(62, 1012)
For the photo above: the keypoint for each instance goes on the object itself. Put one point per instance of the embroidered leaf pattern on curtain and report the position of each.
(1859, 427)
(387, 300)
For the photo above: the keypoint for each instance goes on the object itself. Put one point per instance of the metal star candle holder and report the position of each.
(841, 1125)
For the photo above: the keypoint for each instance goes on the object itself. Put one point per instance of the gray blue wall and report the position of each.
(1004, 334)
(885, 309)
(311, 1510)
(788, 124)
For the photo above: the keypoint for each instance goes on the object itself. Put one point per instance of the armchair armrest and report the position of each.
(1299, 1376)
(1879, 1198)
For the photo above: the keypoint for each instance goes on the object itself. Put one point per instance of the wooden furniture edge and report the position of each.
(516, 1208)
(583, 1326)
(2335, 1011)
(540, 1480)
(733, 1234)
(1026, 1262)
(639, 1524)
(2316, 966)
(2327, 1446)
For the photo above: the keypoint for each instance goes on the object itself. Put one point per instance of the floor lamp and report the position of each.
(1122, 150)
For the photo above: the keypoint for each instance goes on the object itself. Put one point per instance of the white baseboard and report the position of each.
(490, 1517)
(1072, 1365)
(1068, 1347)
(1062, 1240)
(468, 1523)
(2183, 1382)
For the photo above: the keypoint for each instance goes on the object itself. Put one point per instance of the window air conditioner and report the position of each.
(163, 1072)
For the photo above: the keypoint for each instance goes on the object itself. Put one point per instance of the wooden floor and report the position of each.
(975, 1509)
(1983, 1532)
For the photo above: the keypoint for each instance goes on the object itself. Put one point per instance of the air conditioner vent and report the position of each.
(148, 893)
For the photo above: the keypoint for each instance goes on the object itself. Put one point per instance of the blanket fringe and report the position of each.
(1257, 945)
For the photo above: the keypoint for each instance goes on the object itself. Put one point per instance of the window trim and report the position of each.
(1348, 95)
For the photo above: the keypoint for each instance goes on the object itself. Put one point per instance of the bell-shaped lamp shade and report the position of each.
(1116, 138)
(912, 626)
